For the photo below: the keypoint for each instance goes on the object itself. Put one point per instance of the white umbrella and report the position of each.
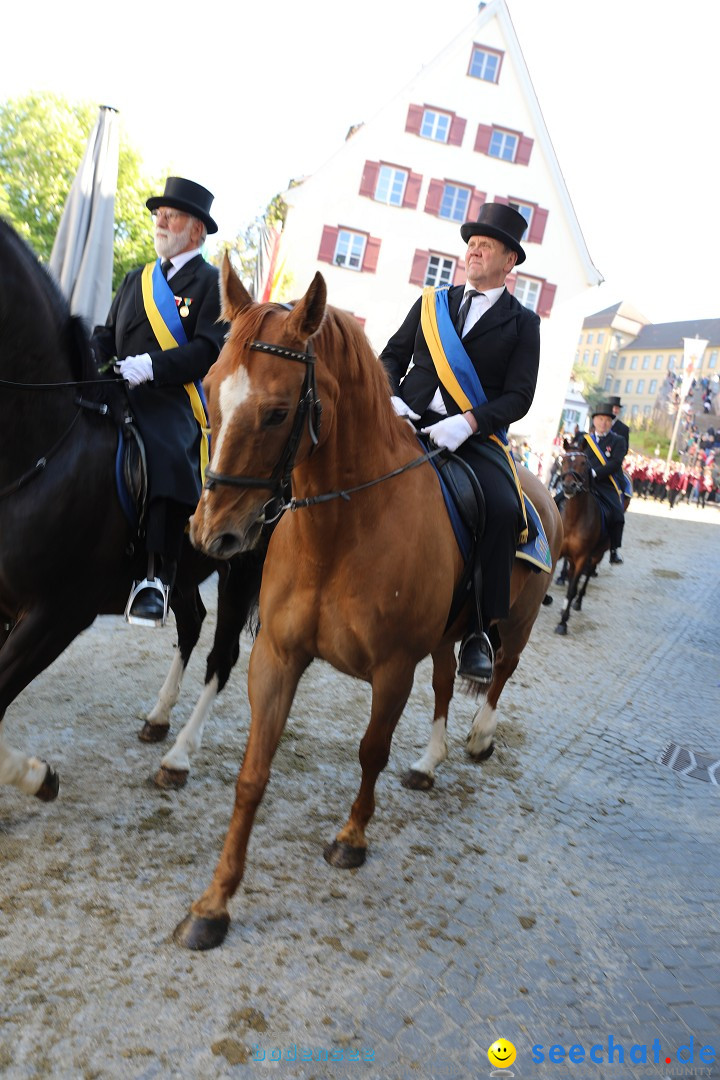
(82, 255)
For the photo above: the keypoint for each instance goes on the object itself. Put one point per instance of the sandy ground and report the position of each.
(91, 984)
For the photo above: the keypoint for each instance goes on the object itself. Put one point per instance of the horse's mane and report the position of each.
(341, 344)
(34, 314)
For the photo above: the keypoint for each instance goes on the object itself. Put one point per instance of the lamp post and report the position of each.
(693, 349)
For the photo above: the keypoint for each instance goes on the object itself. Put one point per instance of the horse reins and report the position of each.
(80, 402)
(308, 406)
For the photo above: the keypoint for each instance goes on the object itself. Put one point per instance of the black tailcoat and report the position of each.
(504, 348)
(618, 428)
(612, 447)
(162, 407)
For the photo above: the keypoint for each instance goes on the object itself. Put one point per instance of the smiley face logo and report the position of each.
(502, 1053)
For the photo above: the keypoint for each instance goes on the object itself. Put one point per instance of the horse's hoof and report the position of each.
(561, 628)
(153, 732)
(171, 779)
(482, 755)
(547, 600)
(201, 934)
(50, 786)
(560, 580)
(344, 856)
(417, 781)
(577, 606)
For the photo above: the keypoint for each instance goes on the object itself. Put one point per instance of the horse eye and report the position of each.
(275, 418)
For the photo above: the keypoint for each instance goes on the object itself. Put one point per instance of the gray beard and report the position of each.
(172, 244)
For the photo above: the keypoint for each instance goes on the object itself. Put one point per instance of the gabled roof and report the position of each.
(670, 335)
(607, 315)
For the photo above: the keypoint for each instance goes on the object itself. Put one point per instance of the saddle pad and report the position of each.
(537, 550)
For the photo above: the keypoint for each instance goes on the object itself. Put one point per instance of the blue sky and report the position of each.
(258, 94)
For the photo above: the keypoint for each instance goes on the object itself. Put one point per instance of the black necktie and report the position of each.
(166, 267)
(464, 308)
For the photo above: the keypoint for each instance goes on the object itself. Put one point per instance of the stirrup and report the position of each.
(148, 583)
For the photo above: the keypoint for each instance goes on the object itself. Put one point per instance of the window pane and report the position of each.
(455, 202)
(503, 145)
(350, 250)
(484, 65)
(435, 125)
(628, 386)
(527, 292)
(653, 386)
(391, 185)
(440, 271)
(640, 386)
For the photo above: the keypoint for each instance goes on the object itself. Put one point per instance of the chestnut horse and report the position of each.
(585, 540)
(67, 550)
(360, 572)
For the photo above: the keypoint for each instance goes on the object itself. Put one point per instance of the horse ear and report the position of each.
(307, 315)
(234, 297)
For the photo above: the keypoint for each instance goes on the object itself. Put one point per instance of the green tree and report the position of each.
(42, 141)
(244, 248)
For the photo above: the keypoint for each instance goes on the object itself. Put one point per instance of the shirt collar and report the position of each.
(178, 261)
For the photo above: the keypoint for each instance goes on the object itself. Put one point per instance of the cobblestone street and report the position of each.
(563, 894)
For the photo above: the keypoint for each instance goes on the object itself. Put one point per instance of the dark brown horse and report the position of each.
(360, 573)
(67, 551)
(585, 541)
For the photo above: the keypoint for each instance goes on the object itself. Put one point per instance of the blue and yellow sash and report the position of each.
(590, 440)
(162, 313)
(457, 373)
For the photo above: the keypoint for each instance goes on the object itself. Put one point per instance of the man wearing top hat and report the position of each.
(618, 427)
(494, 343)
(163, 329)
(605, 451)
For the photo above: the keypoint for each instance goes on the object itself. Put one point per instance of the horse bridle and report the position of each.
(308, 409)
(579, 482)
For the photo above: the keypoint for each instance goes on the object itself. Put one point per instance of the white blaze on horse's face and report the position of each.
(234, 392)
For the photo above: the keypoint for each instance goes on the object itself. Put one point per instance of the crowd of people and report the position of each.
(653, 478)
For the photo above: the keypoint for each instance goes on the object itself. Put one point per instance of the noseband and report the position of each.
(309, 409)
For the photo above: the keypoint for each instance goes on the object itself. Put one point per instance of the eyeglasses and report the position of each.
(169, 215)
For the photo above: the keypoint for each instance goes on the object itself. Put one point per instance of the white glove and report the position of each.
(593, 474)
(450, 432)
(402, 409)
(135, 369)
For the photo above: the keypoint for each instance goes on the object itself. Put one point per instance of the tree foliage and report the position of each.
(43, 138)
(243, 250)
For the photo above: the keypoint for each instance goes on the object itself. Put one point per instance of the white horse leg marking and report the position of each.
(169, 693)
(436, 750)
(190, 738)
(482, 729)
(22, 772)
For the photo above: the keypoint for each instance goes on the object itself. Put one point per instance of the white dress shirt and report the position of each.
(178, 261)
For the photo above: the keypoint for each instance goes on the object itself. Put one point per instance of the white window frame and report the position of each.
(629, 386)
(527, 291)
(484, 64)
(440, 270)
(390, 186)
(435, 125)
(350, 250)
(658, 362)
(652, 388)
(455, 214)
(646, 362)
(640, 389)
(527, 212)
(503, 145)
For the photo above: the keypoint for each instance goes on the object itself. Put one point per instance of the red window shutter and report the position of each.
(412, 190)
(328, 244)
(372, 250)
(502, 199)
(482, 139)
(457, 131)
(537, 225)
(510, 281)
(369, 178)
(545, 303)
(522, 155)
(419, 267)
(459, 275)
(476, 201)
(434, 197)
(414, 119)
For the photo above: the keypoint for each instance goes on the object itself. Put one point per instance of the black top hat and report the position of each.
(502, 223)
(188, 196)
(605, 409)
(615, 401)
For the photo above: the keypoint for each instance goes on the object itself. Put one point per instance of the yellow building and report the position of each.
(632, 358)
